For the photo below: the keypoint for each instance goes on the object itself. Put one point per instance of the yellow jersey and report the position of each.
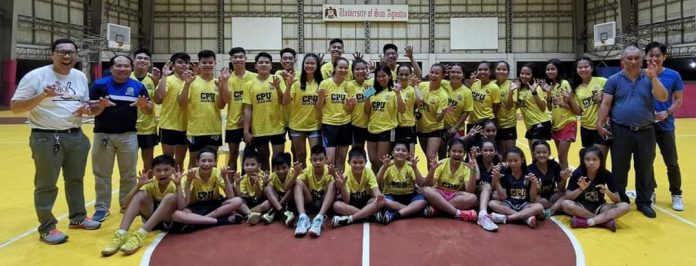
(173, 116)
(363, 187)
(278, 184)
(153, 190)
(266, 115)
(203, 114)
(463, 100)
(358, 116)
(334, 109)
(206, 190)
(147, 123)
(286, 108)
(234, 107)
(408, 118)
(561, 114)
(400, 181)
(327, 70)
(530, 110)
(453, 181)
(507, 118)
(589, 98)
(315, 183)
(304, 115)
(434, 102)
(384, 109)
(484, 97)
(248, 189)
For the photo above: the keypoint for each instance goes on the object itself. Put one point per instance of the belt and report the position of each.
(635, 128)
(68, 131)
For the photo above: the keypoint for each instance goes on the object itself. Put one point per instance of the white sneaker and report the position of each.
(302, 226)
(677, 203)
(317, 222)
(498, 218)
(487, 223)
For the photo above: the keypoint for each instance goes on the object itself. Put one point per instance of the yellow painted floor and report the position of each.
(638, 241)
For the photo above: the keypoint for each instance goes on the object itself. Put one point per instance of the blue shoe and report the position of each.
(100, 215)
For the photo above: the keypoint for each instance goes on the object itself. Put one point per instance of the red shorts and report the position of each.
(447, 194)
(566, 133)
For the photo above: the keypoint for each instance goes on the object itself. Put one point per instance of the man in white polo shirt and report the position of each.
(56, 97)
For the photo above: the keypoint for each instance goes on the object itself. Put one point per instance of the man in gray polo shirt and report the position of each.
(629, 96)
(56, 98)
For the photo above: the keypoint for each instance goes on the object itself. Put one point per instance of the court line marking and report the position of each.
(59, 218)
(673, 215)
(366, 244)
(145, 261)
(579, 253)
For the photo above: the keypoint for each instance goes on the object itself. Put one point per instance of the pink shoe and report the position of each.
(469, 216)
(577, 222)
(611, 225)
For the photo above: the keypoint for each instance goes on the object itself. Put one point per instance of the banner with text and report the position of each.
(365, 12)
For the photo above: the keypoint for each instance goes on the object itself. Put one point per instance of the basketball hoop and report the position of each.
(120, 44)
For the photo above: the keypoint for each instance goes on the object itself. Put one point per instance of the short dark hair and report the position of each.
(235, 50)
(180, 55)
(288, 50)
(251, 153)
(142, 51)
(206, 54)
(206, 150)
(62, 41)
(357, 152)
(390, 46)
(652, 45)
(112, 61)
(263, 54)
(164, 159)
(336, 40)
(281, 159)
(317, 149)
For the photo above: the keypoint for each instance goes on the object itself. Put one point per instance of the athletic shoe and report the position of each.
(114, 245)
(268, 216)
(429, 211)
(677, 203)
(498, 218)
(134, 242)
(289, 218)
(254, 218)
(388, 217)
(469, 215)
(379, 216)
(548, 213)
(236, 219)
(100, 215)
(339, 221)
(486, 223)
(302, 226)
(53, 237)
(611, 225)
(315, 230)
(531, 221)
(87, 224)
(577, 222)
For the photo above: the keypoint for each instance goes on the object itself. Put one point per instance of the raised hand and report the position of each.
(357, 56)
(266, 178)
(237, 177)
(276, 82)
(495, 173)
(565, 173)
(50, 91)
(289, 78)
(105, 102)
(602, 188)
(225, 74)
(413, 80)
(472, 160)
(414, 161)
(351, 102)
(188, 76)
(473, 76)
(409, 51)
(340, 179)
(371, 66)
(547, 87)
(476, 130)
(449, 109)
(321, 58)
(167, 69)
(386, 161)
(144, 178)
(141, 102)
(194, 68)
(397, 86)
(177, 175)
(515, 85)
(651, 70)
(321, 92)
(156, 73)
(332, 170)
(191, 174)
(533, 180)
(582, 183)
(297, 166)
(433, 162)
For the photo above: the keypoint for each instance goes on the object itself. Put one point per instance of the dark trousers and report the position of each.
(641, 145)
(668, 149)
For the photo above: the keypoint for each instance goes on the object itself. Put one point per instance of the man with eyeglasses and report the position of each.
(56, 97)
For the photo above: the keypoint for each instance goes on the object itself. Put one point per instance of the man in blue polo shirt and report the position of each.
(117, 98)
(629, 96)
(664, 129)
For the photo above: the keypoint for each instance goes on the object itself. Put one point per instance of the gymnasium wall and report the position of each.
(688, 109)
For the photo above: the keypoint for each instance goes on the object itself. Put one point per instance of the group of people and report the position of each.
(466, 128)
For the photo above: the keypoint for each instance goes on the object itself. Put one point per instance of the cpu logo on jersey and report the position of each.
(67, 93)
(264, 97)
(378, 106)
(207, 97)
(238, 95)
(479, 97)
(518, 193)
(338, 98)
(360, 97)
(451, 102)
(309, 99)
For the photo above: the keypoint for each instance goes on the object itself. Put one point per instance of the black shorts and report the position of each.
(515, 206)
(197, 143)
(234, 136)
(205, 207)
(506, 133)
(433, 134)
(335, 136)
(314, 206)
(359, 135)
(147, 141)
(406, 135)
(539, 131)
(359, 202)
(386, 136)
(595, 208)
(252, 202)
(173, 137)
(273, 139)
(161, 226)
(405, 199)
(590, 137)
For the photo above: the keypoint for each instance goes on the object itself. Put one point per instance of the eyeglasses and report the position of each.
(64, 53)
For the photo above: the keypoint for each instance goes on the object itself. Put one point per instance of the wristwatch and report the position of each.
(669, 112)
